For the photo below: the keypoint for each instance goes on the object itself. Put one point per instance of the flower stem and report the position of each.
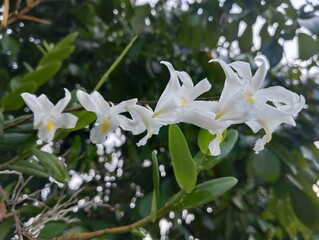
(127, 228)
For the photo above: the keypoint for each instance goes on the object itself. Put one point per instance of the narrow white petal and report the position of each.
(232, 83)
(201, 119)
(260, 74)
(59, 107)
(200, 88)
(32, 102)
(101, 104)
(86, 101)
(185, 78)
(45, 103)
(243, 69)
(124, 106)
(171, 87)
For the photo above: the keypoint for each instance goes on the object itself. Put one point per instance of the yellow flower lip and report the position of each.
(250, 99)
(50, 125)
(105, 125)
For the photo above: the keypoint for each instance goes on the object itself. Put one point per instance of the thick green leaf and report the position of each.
(43, 73)
(57, 54)
(183, 163)
(308, 46)
(155, 186)
(13, 139)
(13, 101)
(266, 165)
(30, 168)
(305, 203)
(53, 166)
(206, 192)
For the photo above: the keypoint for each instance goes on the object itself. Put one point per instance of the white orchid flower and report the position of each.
(108, 117)
(48, 117)
(179, 99)
(176, 104)
(144, 119)
(242, 100)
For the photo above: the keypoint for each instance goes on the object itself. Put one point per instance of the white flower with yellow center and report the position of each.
(48, 117)
(176, 104)
(108, 117)
(242, 100)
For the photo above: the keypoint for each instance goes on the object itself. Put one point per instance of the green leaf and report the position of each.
(203, 140)
(266, 166)
(84, 118)
(43, 73)
(13, 139)
(6, 226)
(308, 46)
(53, 166)
(228, 143)
(304, 203)
(57, 54)
(155, 186)
(67, 40)
(206, 192)
(208, 162)
(53, 229)
(14, 101)
(183, 163)
(1, 123)
(30, 168)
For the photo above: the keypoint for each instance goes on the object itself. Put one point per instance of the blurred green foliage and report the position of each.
(275, 195)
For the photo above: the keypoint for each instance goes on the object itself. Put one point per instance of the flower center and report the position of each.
(105, 125)
(250, 99)
(50, 125)
(183, 102)
(218, 116)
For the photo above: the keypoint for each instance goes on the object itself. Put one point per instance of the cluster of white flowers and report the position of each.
(241, 101)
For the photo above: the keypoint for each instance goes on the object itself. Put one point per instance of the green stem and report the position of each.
(124, 229)
(114, 65)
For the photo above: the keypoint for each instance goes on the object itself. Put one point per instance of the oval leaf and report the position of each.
(304, 203)
(266, 166)
(206, 192)
(42, 74)
(183, 163)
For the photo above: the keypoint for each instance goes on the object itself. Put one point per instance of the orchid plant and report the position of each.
(242, 101)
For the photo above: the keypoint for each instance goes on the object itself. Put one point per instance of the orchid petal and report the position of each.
(243, 69)
(260, 74)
